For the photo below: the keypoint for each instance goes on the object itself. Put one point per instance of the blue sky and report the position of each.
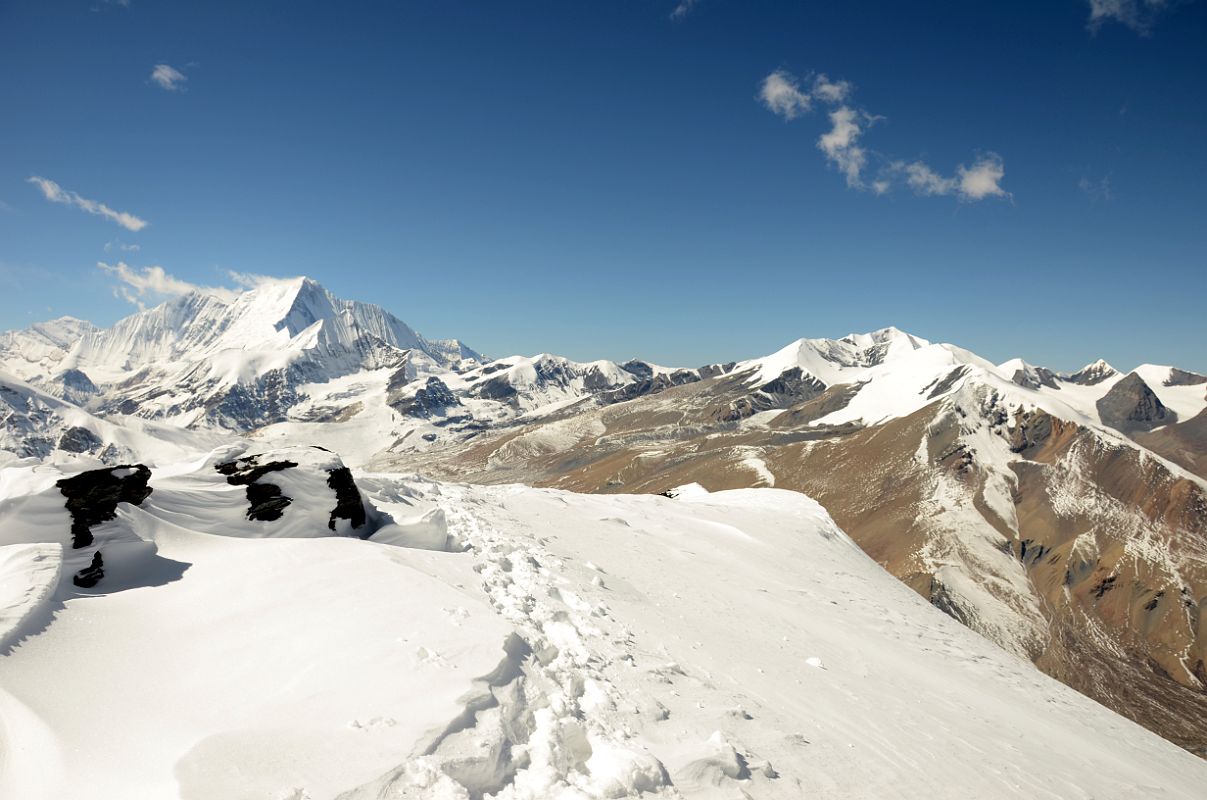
(612, 179)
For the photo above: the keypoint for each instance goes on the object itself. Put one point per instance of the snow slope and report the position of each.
(556, 645)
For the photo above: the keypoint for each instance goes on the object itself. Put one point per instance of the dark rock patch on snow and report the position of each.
(266, 502)
(945, 385)
(434, 398)
(79, 440)
(90, 575)
(92, 497)
(348, 502)
(1180, 377)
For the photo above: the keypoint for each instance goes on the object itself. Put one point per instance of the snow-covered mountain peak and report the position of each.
(1092, 374)
(235, 360)
(836, 360)
(890, 335)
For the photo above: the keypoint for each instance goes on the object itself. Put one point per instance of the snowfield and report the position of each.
(470, 642)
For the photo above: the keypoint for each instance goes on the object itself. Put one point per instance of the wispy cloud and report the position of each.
(1099, 191)
(144, 286)
(841, 144)
(684, 8)
(783, 95)
(247, 281)
(1139, 15)
(168, 77)
(57, 194)
(119, 246)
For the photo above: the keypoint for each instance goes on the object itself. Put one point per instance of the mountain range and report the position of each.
(1061, 516)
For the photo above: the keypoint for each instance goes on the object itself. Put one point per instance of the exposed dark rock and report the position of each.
(1037, 377)
(90, 575)
(75, 386)
(348, 502)
(791, 387)
(943, 600)
(434, 398)
(497, 388)
(1031, 428)
(1104, 586)
(79, 440)
(1092, 374)
(651, 384)
(243, 471)
(638, 368)
(1029, 552)
(944, 385)
(713, 370)
(1180, 377)
(92, 497)
(398, 380)
(493, 368)
(795, 384)
(265, 501)
(1131, 406)
(264, 402)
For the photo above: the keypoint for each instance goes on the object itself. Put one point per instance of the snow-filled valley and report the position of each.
(470, 641)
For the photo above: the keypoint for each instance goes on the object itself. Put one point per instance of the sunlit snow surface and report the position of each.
(518, 643)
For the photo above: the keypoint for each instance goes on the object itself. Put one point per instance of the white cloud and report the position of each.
(168, 77)
(151, 285)
(57, 194)
(782, 95)
(830, 91)
(1138, 15)
(684, 8)
(983, 179)
(924, 180)
(154, 284)
(119, 245)
(841, 144)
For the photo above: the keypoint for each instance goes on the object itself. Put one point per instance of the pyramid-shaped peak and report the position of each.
(1092, 374)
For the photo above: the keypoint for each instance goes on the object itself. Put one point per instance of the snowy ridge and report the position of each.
(566, 646)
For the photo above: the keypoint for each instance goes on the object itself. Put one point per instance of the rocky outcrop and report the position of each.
(1180, 377)
(1035, 377)
(650, 383)
(348, 502)
(1132, 406)
(791, 387)
(92, 497)
(79, 440)
(265, 501)
(90, 575)
(434, 399)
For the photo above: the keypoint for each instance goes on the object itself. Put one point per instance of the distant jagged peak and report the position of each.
(1092, 374)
